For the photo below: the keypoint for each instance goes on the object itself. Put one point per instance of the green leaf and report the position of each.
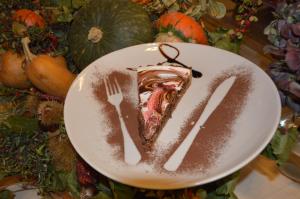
(216, 9)
(226, 188)
(221, 39)
(229, 45)
(168, 3)
(73, 184)
(240, 9)
(53, 182)
(21, 124)
(102, 195)
(40, 150)
(217, 35)
(268, 152)
(66, 16)
(6, 194)
(197, 11)
(121, 191)
(102, 188)
(282, 144)
(201, 193)
(69, 181)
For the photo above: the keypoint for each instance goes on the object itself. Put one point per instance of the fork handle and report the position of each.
(131, 154)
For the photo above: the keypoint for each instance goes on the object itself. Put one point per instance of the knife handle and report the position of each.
(215, 99)
(177, 157)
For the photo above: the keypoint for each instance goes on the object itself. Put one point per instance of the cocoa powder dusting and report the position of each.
(208, 143)
(128, 109)
(216, 131)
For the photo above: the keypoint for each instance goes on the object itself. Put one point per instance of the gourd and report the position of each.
(12, 73)
(47, 73)
(105, 26)
(176, 26)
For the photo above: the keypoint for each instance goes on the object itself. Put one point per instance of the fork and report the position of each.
(114, 96)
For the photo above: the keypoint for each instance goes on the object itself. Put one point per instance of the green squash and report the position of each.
(103, 26)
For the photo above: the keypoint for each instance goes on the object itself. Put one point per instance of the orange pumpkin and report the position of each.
(184, 24)
(29, 18)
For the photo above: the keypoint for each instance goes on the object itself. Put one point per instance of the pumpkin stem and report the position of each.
(29, 56)
(95, 34)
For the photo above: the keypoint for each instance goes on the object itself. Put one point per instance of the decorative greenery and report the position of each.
(194, 8)
(281, 145)
(24, 152)
(246, 11)
(284, 35)
(225, 39)
(231, 39)
(222, 189)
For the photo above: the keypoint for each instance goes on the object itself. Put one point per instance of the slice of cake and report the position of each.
(160, 89)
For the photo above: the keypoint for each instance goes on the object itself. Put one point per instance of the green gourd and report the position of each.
(103, 26)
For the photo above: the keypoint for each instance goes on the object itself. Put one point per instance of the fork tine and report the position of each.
(108, 93)
(112, 87)
(117, 86)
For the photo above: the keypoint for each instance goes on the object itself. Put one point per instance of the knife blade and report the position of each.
(216, 98)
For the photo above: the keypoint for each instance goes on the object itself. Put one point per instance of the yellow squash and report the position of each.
(12, 73)
(47, 73)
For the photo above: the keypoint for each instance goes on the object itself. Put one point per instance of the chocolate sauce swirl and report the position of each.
(195, 73)
(167, 77)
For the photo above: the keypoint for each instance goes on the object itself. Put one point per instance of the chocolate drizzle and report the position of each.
(195, 73)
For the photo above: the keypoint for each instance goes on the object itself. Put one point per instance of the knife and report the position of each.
(216, 98)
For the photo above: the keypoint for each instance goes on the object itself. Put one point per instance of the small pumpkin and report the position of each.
(24, 18)
(29, 18)
(104, 26)
(12, 73)
(47, 73)
(177, 24)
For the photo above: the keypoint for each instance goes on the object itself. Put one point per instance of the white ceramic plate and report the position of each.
(250, 129)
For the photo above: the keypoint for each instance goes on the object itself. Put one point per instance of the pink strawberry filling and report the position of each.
(158, 88)
(156, 104)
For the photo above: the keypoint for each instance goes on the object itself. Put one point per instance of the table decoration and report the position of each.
(33, 139)
(284, 36)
